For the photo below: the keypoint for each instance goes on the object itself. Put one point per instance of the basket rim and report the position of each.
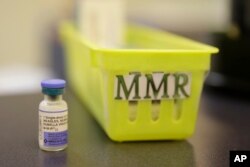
(69, 28)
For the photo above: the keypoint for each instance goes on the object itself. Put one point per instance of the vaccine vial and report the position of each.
(53, 116)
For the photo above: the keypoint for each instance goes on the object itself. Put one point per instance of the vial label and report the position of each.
(53, 128)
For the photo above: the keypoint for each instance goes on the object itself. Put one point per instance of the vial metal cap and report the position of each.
(53, 86)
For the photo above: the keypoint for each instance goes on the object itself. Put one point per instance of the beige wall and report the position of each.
(24, 29)
(183, 15)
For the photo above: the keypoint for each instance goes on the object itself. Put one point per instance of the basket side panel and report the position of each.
(176, 118)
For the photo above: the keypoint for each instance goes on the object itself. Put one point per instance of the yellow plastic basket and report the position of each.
(94, 72)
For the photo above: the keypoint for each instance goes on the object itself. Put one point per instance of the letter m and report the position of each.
(127, 89)
(155, 89)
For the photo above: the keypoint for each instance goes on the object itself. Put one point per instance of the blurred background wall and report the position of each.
(183, 15)
(25, 30)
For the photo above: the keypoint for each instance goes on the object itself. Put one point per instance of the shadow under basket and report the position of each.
(149, 90)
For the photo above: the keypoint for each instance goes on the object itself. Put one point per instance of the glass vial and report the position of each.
(53, 116)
